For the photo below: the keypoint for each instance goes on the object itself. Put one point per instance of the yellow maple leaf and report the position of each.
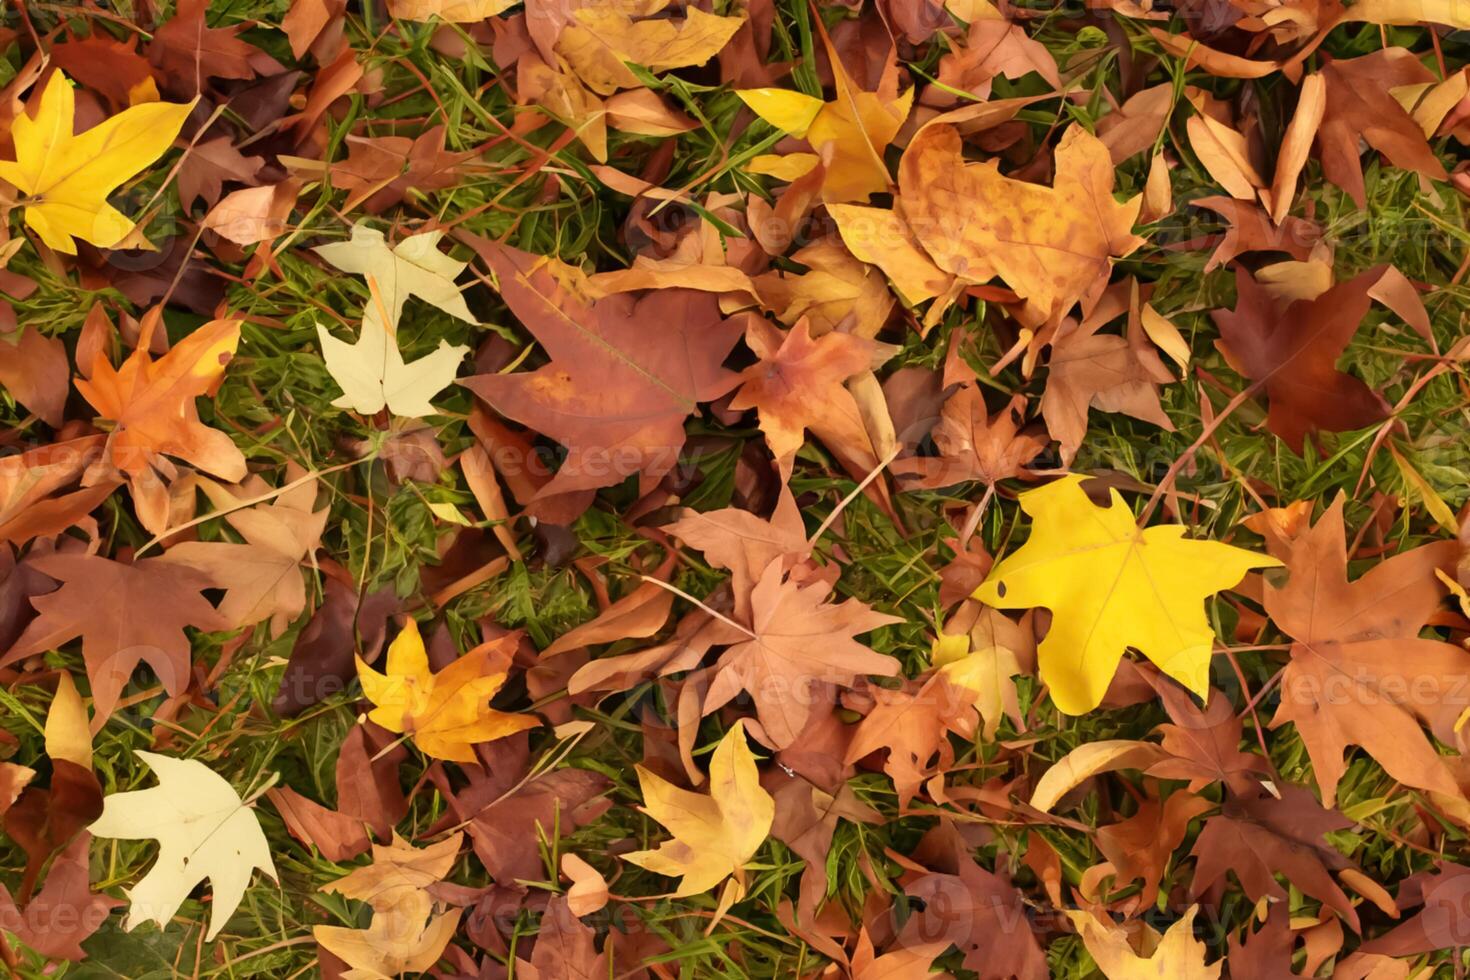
(601, 40)
(1049, 244)
(445, 712)
(849, 133)
(1111, 586)
(409, 929)
(1178, 954)
(66, 178)
(715, 834)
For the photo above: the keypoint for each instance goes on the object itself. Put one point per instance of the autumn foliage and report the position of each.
(821, 489)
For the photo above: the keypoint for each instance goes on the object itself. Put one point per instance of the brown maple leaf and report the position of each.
(203, 173)
(797, 640)
(102, 602)
(798, 384)
(1087, 370)
(745, 544)
(34, 369)
(1140, 847)
(564, 949)
(624, 374)
(1257, 838)
(322, 663)
(1361, 108)
(1292, 349)
(260, 575)
(380, 170)
(1204, 745)
(973, 444)
(1359, 673)
(65, 911)
(1266, 953)
(983, 915)
(187, 51)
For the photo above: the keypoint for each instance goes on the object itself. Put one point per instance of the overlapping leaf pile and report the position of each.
(734, 488)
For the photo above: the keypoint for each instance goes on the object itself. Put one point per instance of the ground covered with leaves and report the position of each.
(864, 489)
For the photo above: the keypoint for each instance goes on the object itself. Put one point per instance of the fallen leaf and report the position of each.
(1049, 244)
(714, 835)
(848, 134)
(261, 576)
(1178, 955)
(446, 712)
(617, 402)
(98, 601)
(407, 934)
(413, 267)
(204, 831)
(1291, 350)
(152, 407)
(1360, 674)
(797, 640)
(373, 374)
(35, 370)
(66, 178)
(1112, 586)
(598, 40)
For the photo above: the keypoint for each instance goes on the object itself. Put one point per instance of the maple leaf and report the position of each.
(446, 712)
(204, 831)
(339, 836)
(1291, 350)
(599, 40)
(973, 444)
(745, 544)
(883, 238)
(615, 400)
(848, 134)
(260, 576)
(1049, 244)
(406, 934)
(982, 914)
(1178, 954)
(373, 374)
(68, 886)
(797, 640)
(1204, 745)
(413, 267)
(1110, 586)
(837, 292)
(913, 725)
(1087, 370)
(1140, 848)
(151, 404)
(715, 834)
(452, 11)
(1360, 109)
(565, 948)
(186, 49)
(209, 165)
(1261, 836)
(539, 806)
(380, 171)
(99, 601)
(66, 178)
(798, 383)
(1359, 672)
(35, 370)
